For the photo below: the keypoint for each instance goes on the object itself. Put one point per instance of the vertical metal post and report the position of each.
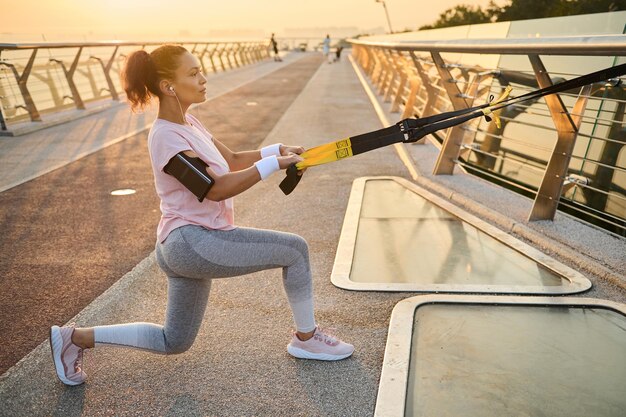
(471, 93)
(107, 74)
(237, 46)
(21, 82)
(409, 106)
(229, 55)
(211, 58)
(254, 52)
(69, 75)
(3, 125)
(250, 53)
(547, 198)
(397, 72)
(219, 55)
(451, 147)
(201, 59)
(70, 80)
(377, 71)
(266, 50)
(257, 51)
(371, 61)
(356, 56)
(380, 69)
(358, 53)
(226, 52)
(244, 54)
(452, 144)
(249, 56)
(404, 76)
(388, 73)
(395, 105)
(431, 93)
(390, 79)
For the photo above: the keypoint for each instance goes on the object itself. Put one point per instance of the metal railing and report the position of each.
(566, 151)
(41, 78)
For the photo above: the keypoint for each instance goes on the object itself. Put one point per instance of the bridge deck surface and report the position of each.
(227, 371)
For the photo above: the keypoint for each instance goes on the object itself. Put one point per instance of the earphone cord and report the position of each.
(181, 110)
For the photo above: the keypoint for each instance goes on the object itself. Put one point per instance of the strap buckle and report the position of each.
(409, 124)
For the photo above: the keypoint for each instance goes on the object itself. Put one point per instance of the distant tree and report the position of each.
(522, 9)
(527, 9)
(592, 6)
(536, 9)
(460, 15)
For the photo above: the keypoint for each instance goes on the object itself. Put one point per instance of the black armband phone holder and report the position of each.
(192, 173)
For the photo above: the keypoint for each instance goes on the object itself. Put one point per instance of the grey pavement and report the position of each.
(239, 365)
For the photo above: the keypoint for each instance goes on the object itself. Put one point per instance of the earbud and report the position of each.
(171, 88)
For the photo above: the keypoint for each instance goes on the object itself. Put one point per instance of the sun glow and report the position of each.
(124, 19)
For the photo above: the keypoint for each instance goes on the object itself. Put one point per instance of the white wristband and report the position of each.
(270, 150)
(267, 166)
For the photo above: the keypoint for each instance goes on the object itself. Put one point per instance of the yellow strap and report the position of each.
(330, 155)
(327, 147)
(496, 118)
(504, 95)
(325, 153)
(495, 115)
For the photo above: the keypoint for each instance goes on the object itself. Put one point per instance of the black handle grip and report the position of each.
(291, 180)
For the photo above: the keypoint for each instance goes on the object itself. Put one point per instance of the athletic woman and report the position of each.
(198, 241)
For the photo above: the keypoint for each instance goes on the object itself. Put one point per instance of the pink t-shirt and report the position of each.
(179, 206)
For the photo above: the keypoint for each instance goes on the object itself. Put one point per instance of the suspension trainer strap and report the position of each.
(411, 130)
(341, 149)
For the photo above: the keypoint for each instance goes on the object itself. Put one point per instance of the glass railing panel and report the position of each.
(404, 238)
(516, 360)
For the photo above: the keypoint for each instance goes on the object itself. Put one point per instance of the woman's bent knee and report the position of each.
(178, 346)
(179, 339)
(300, 244)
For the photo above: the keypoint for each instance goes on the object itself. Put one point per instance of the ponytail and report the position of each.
(143, 71)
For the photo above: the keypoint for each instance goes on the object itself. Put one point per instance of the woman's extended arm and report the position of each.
(238, 161)
(236, 182)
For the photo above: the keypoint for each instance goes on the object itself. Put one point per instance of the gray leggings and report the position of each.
(191, 257)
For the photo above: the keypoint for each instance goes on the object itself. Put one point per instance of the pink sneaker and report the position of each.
(322, 346)
(67, 357)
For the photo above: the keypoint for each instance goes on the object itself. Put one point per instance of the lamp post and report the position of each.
(386, 13)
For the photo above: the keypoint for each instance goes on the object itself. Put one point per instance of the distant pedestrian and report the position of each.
(197, 240)
(274, 46)
(338, 52)
(326, 49)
